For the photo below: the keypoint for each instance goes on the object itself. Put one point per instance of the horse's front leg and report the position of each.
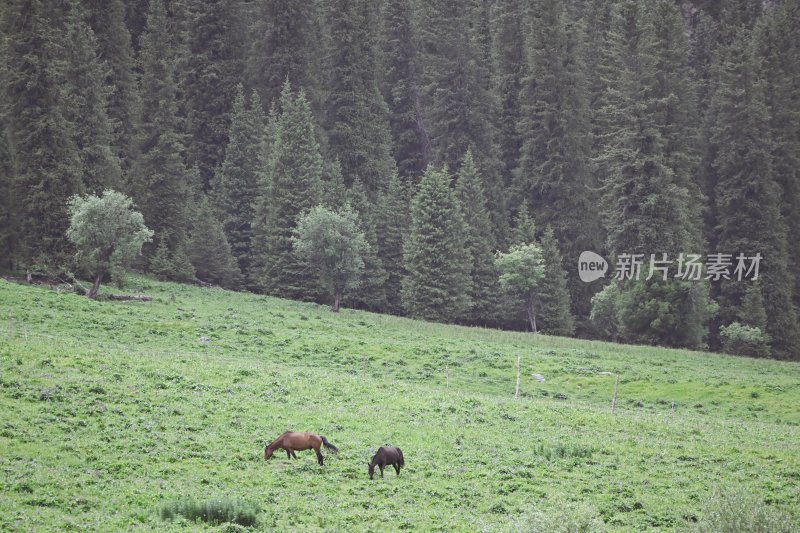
(381, 470)
(294, 455)
(288, 453)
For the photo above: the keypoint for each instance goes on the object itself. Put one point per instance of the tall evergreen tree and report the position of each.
(286, 39)
(8, 208)
(85, 101)
(236, 182)
(411, 145)
(392, 222)
(294, 173)
(479, 241)
(552, 297)
(46, 166)
(160, 178)
(208, 248)
(510, 68)
(748, 198)
(673, 94)
(524, 230)
(555, 172)
(648, 208)
(215, 64)
(777, 42)
(458, 104)
(372, 292)
(437, 283)
(357, 122)
(114, 47)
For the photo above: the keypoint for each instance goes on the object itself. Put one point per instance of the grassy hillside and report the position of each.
(112, 410)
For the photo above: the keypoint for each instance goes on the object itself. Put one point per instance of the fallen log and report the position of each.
(130, 297)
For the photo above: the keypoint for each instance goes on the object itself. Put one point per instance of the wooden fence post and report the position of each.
(516, 391)
(614, 398)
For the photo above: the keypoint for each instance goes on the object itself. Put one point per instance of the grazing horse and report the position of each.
(387, 455)
(292, 441)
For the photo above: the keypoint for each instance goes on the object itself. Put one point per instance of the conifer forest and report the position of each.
(441, 160)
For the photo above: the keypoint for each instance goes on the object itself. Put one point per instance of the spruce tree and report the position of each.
(458, 105)
(510, 64)
(114, 48)
(286, 40)
(748, 198)
(411, 145)
(555, 172)
(160, 178)
(294, 173)
(552, 296)
(392, 223)
(9, 232)
(85, 101)
(524, 230)
(479, 241)
(214, 66)
(437, 284)
(371, 293)
(357, 121)
(208, 248)
(236, 181)
(648, 205)
(45, 163)
(777, 43)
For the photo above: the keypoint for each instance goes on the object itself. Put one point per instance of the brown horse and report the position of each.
(292, 441)
(387, 455)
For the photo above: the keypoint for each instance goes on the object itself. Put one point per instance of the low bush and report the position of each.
(740, 339)
(562, 516)
(737, 511)
(561, 451)
(215, 511)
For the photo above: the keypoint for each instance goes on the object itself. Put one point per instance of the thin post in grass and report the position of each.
(10, 327)
(614, 398)
(516, 391)
(446, 377)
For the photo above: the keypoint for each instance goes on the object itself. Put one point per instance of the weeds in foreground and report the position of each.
(734, 511)
(216, 511)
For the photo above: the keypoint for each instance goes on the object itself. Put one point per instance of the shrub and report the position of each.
(562, 516)
(736, 511)
(561, 451)
(741, 339)
(216, 511)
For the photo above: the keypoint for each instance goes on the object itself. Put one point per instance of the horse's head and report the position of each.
(371, 468)
(267, 452)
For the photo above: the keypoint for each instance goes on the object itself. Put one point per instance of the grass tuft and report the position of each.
(734, 511)
(215, 511)
(562, 451)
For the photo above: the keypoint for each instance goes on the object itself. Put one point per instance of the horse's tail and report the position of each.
(402, 461)
(328, 445)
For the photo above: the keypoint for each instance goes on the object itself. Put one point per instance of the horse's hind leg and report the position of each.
(397, 468)
(319, 455)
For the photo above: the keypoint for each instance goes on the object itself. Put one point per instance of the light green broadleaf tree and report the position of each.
(521, 271)
(107, 232)
(333, 246)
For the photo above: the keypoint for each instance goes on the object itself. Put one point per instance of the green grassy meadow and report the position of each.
(110, 410)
